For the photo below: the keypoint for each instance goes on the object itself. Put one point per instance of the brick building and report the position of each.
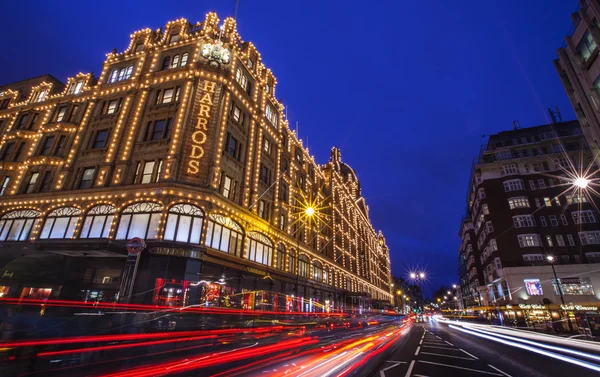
(522, 207)
(181, 142)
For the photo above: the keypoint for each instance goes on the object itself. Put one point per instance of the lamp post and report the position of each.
(419, 277)
(550, 259)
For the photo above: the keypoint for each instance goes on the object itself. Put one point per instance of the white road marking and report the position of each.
(449, 343)
(504, 373)
(475, 357)
(396, 363)
(438, 337)
(454, 366)
(410, 368)
(442, 348)
(421, 342)
(439, 354)
(417, 351)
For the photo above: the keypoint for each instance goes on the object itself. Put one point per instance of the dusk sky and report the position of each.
(405, 89)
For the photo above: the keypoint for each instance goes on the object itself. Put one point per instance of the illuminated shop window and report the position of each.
(259, 248)
(97, 222)
(292, 262)
(140, 220)
(224, 234)
(17, 225)
(573, 287)
(184, 224)
(60, 223)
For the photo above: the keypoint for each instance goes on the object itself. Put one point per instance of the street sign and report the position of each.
(135, 245)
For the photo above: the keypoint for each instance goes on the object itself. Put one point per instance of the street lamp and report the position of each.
(581, 182)
(449, 293)
(454, 286)
(419, 277)
(551, 259)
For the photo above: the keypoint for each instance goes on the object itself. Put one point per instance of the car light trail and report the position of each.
(557, 356)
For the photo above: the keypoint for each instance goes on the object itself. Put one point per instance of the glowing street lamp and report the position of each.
(449, 293)
(454, 286)
(581, 182)
(445, 297)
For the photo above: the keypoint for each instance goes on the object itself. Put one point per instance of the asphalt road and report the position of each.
(433, 349)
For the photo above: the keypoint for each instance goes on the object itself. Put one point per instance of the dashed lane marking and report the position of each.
(493, 367)
(454, 366)
(421, 342)
(442, 355)
(417, 351)
(449, 343)
(475, 357)
(410, 368)
(442, 348)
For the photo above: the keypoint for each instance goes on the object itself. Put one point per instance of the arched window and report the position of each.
(184, 59)
(60, 223)
(303, 266)
(184, 223)
(113, 76)
(281, 257)
(16, 225)
(292, 262)
(259, 248)
(284, 165)
(326, 275)
(97, 222)
(121, 74)
(166, 63)
(224, 234)
(317, 271)
(175, 62)
(140, 220)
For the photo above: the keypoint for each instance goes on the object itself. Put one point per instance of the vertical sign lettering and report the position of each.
(200, 129)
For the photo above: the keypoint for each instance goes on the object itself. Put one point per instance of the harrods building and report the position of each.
(181, 142)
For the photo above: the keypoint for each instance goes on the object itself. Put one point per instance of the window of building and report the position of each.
(533, 257)
(570, 240)
(282, 222)
(549, 241)
(241, 78)
(47, 146)
(265, 174)
(7, 151)
(518, 202)
(576, 198)
(303, 266)
(224, 234)
(87, 178)
(510, 169)
(17, 225)
(317, 271)
(113, 106)
(283, 193)
(21, 122)
(270, 114)
(75, 87)
(560, 241)
(264, 209)
(267, 146)
(168, 95)
(298, 155)
(564, 220)
(590, 238)
(233, 147)
(573, 286)
(532, 185)
(4, 185)
(553, 220)
(547, 202)
(46, 181)
(184, 224)
(147, 171)
(586, 46)
(140, 220)
(120, 74)
(529, 240)
(166, 63)
(175, 62)
(33, 177)
(513, 185)
(4, 103)
(543, 221)
(584, 217)
(40, 95)
(523, 221)
(100, 139)
(158, 129)
(541, 183)
(537, 203)
(592, 257)
(139, 46)
(97, 222)
(60, 223)
(259, 248)
(174, 38)
(280, 257)
(61, 114)
(184, 59)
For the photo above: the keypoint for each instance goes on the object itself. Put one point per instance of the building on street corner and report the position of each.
(182, 143)
(523, 207)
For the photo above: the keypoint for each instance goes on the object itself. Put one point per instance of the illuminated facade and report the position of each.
(181, 142)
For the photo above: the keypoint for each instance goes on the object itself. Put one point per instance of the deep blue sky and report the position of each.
(405, 88)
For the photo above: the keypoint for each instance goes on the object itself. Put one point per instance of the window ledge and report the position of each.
(160, 106)
(154, 143)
